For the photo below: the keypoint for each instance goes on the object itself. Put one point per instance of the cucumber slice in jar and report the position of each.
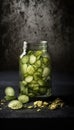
(23, 83)
(42, 90)
(46, 72)
(30, 69)
(24, 90)
(46, 60)
(36, 75)
(31, 95)
(23, 98)
(41, 82)
(30, 52)
(38, 63)
(36, 88)
(25, 59)
(28, 79)
(32, 59)
(23, 68)
(15, 104)
(38, 54)
(40, 70)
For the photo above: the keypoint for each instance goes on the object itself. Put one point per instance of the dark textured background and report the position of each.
(35, 20)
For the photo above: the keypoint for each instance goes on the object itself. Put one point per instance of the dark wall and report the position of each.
(35, 20)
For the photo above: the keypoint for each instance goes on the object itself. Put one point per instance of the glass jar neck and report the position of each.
(43, 46)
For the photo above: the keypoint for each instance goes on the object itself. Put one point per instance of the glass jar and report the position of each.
(35, 70)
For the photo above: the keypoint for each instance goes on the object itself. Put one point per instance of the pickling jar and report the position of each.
(35, 70)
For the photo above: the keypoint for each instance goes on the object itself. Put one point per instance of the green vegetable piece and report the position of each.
(35, 67)
(15, 104)
(42, 90)
(23, 98)
(38, 63)
(36, 88)
(38, 54)
(31, 95)
(24, 90)
(46, 72)
(36, 75)
(23, 68)
(28, 79)
(9, 91)
(30, 52)
(41, 82)
(8, 98)
(32, 59)
(23, 83)
(40, 70)
(46, 60)
(25, 59)
(30, 69)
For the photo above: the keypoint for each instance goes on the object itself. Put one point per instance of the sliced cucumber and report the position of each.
(38, 54)
(24, 90)
(40, 70)
(15, 104)
(31, 95)
(30, 69)
(24, 68)
(9, 91)
(32, 59)
(23, 98)
(41, 82)
(38, 63)
(23, 83)
(46, 72)
(28, 79)
(9, 97)
(36, 75)
(36, 88)
(46, 60)
(42, 90)
(25, 59)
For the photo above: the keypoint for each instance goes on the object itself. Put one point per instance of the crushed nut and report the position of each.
(38, 109)
(55, 104)
(30, 107)
(37, 104)
(45, 103)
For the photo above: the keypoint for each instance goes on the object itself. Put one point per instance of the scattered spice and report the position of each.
(30, 107)
(38, 104)
(57, 103)
(38, 110)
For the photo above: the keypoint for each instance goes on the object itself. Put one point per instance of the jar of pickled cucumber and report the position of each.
(35, 70)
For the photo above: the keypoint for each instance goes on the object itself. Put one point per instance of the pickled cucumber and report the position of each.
(32, 59)
(9, 97)
(23, 98)
(28, 79)
(15, 104)
(25, 59)
(9, 91)
(36, 70)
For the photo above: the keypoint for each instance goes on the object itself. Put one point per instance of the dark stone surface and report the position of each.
(35, 20)
(62, 87)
